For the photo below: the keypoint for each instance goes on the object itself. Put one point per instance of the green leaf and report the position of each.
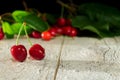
(7, 29)
(81, 21)
(36, 23)
(9, 36)
(100, 33)
(18, 15)
(93, 29)
(101, 12)
(101, 25)
(16, 27)
(115, 31)
(101, 19)
(99, 28)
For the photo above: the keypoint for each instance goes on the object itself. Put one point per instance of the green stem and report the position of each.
(27, 34)
(17, 40)
(62, 11)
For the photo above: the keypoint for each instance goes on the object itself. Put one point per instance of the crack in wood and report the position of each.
(104, 54)
(58, 61)
(112, 55)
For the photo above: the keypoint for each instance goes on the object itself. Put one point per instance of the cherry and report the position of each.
(53, 31)
(18, 52)
(57, 29)
(46, 35)
(1, 33)
(36, 34)
(73, 32)
(67, 30)
(61, 21)
(37, 52)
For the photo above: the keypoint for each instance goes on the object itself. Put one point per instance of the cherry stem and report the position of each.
(1, 19)
(27, 34)
(72, 9)
(17, 40)
(25, 5)
(62, 11)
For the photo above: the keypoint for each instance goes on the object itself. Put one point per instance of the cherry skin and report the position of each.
(74, 32)
(53, 31)
(36, 34)
(67, 30)
(61, 21)
(46, 35)
(1, 33)
(59, 30)
(37, 52)
(18, 52)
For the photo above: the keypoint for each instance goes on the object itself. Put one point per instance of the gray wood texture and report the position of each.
(78, 58)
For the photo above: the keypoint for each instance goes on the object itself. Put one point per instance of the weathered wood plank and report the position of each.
(90, 59)
(80, 59)
(30, 69)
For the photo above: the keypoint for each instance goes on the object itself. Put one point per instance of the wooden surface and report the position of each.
(66, 58)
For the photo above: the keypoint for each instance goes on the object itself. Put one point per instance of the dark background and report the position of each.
(46, 5)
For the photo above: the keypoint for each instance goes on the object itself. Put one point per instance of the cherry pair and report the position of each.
(19, 52)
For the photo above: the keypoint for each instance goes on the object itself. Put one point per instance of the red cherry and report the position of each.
(36, 34)
(1, 33)
(73, 32)
(59, 30)
(37, 52)
(67, 30)
(19, 53)
(52, 31)
(46, 35)
(61, 21)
